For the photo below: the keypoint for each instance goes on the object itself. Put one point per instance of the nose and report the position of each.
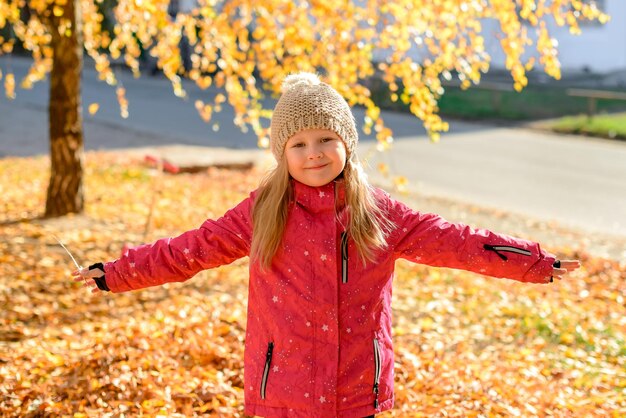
(315, 153)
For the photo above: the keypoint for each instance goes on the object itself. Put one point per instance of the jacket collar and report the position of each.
(331, 196)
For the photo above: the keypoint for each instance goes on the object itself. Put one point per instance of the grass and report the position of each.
(530, 104)
(533, 103)
(477, 103)
(607, 126)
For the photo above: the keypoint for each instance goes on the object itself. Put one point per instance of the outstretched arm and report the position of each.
(429, 239)
(176, 259)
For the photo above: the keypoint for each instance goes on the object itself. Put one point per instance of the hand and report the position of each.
(565, 267)
(87, 276)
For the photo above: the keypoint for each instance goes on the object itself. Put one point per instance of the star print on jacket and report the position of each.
(318, 345)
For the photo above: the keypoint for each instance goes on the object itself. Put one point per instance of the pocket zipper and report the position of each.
(505, 248)
(266, 370)
(376, 371)
(344, 257)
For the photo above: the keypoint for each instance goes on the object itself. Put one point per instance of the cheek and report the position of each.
(292, 160)
(342, 154)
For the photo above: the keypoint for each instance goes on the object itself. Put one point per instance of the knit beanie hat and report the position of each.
(308, 103)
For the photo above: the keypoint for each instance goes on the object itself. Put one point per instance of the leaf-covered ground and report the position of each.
(465, 345)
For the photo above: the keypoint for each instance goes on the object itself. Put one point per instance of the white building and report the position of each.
(599, 49)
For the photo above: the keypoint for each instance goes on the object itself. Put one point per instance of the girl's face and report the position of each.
(315, 157)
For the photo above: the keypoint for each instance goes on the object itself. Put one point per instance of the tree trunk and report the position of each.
(65, 191)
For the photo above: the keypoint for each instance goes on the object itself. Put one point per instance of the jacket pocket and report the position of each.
(266, 369)
(377, 367)
(344, 257)
(499, 249)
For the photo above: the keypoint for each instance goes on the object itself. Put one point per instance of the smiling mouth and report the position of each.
(317, 167)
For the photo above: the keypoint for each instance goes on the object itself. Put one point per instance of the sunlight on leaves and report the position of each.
(9, 86)
(244, 48)
(462, 341)
(93, 108)
(121, 99)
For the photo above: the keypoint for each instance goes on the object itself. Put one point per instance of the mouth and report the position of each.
(317, 167)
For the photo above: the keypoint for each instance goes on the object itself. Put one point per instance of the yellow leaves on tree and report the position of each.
(123, 102)
(93, 108)
(237, 44)
(9, 85)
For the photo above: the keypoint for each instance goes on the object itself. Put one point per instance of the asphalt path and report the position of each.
(578, 182)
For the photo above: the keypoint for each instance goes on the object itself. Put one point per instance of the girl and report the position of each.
(322, 244)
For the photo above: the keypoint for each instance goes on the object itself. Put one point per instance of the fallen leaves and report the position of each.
(505, 348)
(465, 345)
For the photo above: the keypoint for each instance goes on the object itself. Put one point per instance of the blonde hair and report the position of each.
(368, 225)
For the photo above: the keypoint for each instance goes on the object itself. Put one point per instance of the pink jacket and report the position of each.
(318, 340)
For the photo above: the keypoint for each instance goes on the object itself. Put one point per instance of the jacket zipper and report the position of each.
(376, 371)
(498, 249)
(344, 257)
(266, 370)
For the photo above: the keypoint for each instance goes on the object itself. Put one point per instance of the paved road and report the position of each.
(577, 182)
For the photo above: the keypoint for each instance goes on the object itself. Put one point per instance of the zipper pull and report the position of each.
(376, 392)
(266, 370)
(492, 248)
(270, 348)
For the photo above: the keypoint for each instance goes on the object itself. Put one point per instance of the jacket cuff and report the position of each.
(100, 281)
(542, 270)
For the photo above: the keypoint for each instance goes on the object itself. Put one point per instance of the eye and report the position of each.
(327, 139)
(297, 145)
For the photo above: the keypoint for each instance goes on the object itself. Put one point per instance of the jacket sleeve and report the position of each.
(427, 238)
(214, 243)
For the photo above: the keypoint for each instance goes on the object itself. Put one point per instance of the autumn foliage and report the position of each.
(465, 345)
(245, 47)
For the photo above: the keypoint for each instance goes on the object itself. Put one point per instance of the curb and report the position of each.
(192, 159)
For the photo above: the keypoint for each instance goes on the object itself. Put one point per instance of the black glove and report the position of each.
(100, 281)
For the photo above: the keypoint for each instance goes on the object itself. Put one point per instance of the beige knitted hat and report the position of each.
(308, 103)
